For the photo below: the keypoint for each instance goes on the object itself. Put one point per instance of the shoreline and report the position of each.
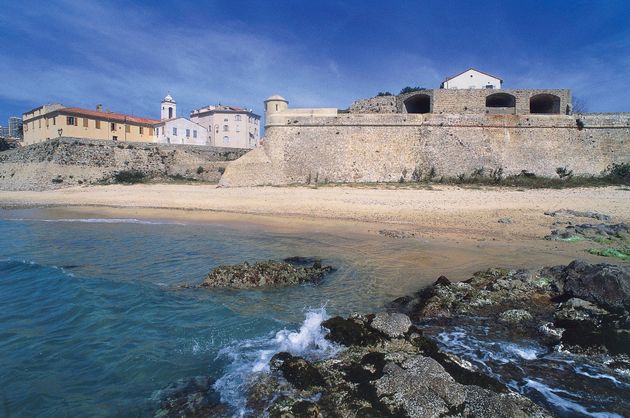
(444, 211)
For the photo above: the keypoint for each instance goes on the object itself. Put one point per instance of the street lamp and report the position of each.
(60, 131)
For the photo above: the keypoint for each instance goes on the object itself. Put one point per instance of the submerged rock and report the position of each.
(190, 398)
(393, 233)
(267, 274)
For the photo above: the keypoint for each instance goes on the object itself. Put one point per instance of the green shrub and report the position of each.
(409, 89)
(618, 173)
(200, 170)
(129, 177)
(564, 172)
(383, 93)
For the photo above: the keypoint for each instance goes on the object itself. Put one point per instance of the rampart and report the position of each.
(383, 146)
(65, 162)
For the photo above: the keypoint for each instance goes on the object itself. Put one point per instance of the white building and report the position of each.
(174, 130)
(229, 126)
(472, 79)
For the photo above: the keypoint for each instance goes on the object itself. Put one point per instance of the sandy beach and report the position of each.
(436, 211)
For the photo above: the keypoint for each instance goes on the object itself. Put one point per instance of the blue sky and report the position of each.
(127, 55)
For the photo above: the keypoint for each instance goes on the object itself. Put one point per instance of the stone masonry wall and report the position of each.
(383, 148)
(457, 101)
(66, 162)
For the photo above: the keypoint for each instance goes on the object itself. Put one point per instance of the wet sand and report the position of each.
(451, 230)
(441, 211)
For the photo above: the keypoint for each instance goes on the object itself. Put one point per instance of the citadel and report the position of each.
(469, 124)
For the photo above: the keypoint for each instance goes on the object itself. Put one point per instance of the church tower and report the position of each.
(169, 108)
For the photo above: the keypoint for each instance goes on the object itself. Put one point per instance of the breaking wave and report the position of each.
(249, 358)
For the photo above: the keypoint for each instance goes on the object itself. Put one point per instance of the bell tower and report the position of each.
(168, 108)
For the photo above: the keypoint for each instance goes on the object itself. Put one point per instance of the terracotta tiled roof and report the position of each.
(110, 116)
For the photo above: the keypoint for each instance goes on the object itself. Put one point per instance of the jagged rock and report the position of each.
(391, 324)
(595, 232)
(580, 214)
(489, 292)
(606, 285)
(265, 273)
(442, 281)
(297, 371)
(350, 331)
(515, 316)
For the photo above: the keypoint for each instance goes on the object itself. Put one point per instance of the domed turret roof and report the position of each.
(168, 98)
(276, 97)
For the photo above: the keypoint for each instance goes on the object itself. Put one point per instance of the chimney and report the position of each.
(99, 107)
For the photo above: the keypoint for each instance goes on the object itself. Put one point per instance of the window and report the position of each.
(225, 128)
(85, 122)
(225, 120)
(237, 117)
(150, 131)
(127, 128)
(187, 133)
(194, 133)
(157, 131)
(71, 120)
(174, 131)
(47, 122)
(226, 140)
(141, 130)
(238, 128)
(112, 127)
(97, 123)
(216, 129)
(114, 138)
(55, 120)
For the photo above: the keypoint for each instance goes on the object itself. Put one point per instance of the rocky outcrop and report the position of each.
(388, 370)
(270, 273)
(66, 162)
(579, 214)
(605, 285)
(583, 306)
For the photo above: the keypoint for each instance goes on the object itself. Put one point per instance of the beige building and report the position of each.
(229, 126)
(55, 120)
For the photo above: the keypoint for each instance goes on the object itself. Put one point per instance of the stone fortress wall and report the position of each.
(379, 140)
(66, 162)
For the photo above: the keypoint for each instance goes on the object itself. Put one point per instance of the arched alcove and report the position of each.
(500, 100)
(418, 103)
(546, 104)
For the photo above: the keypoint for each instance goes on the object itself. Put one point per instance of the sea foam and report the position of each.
(251, 357)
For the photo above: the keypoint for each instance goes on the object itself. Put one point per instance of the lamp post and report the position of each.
(60, 131)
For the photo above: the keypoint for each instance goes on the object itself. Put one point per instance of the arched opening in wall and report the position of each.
(501, 100)
(419, 103)
(546, 104)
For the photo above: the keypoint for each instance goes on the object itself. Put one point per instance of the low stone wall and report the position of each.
(384, 148)
(66, 162)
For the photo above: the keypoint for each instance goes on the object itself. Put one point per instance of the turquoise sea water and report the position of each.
(91, 325)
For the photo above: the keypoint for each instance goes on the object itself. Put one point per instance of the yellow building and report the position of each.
(55, 120)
